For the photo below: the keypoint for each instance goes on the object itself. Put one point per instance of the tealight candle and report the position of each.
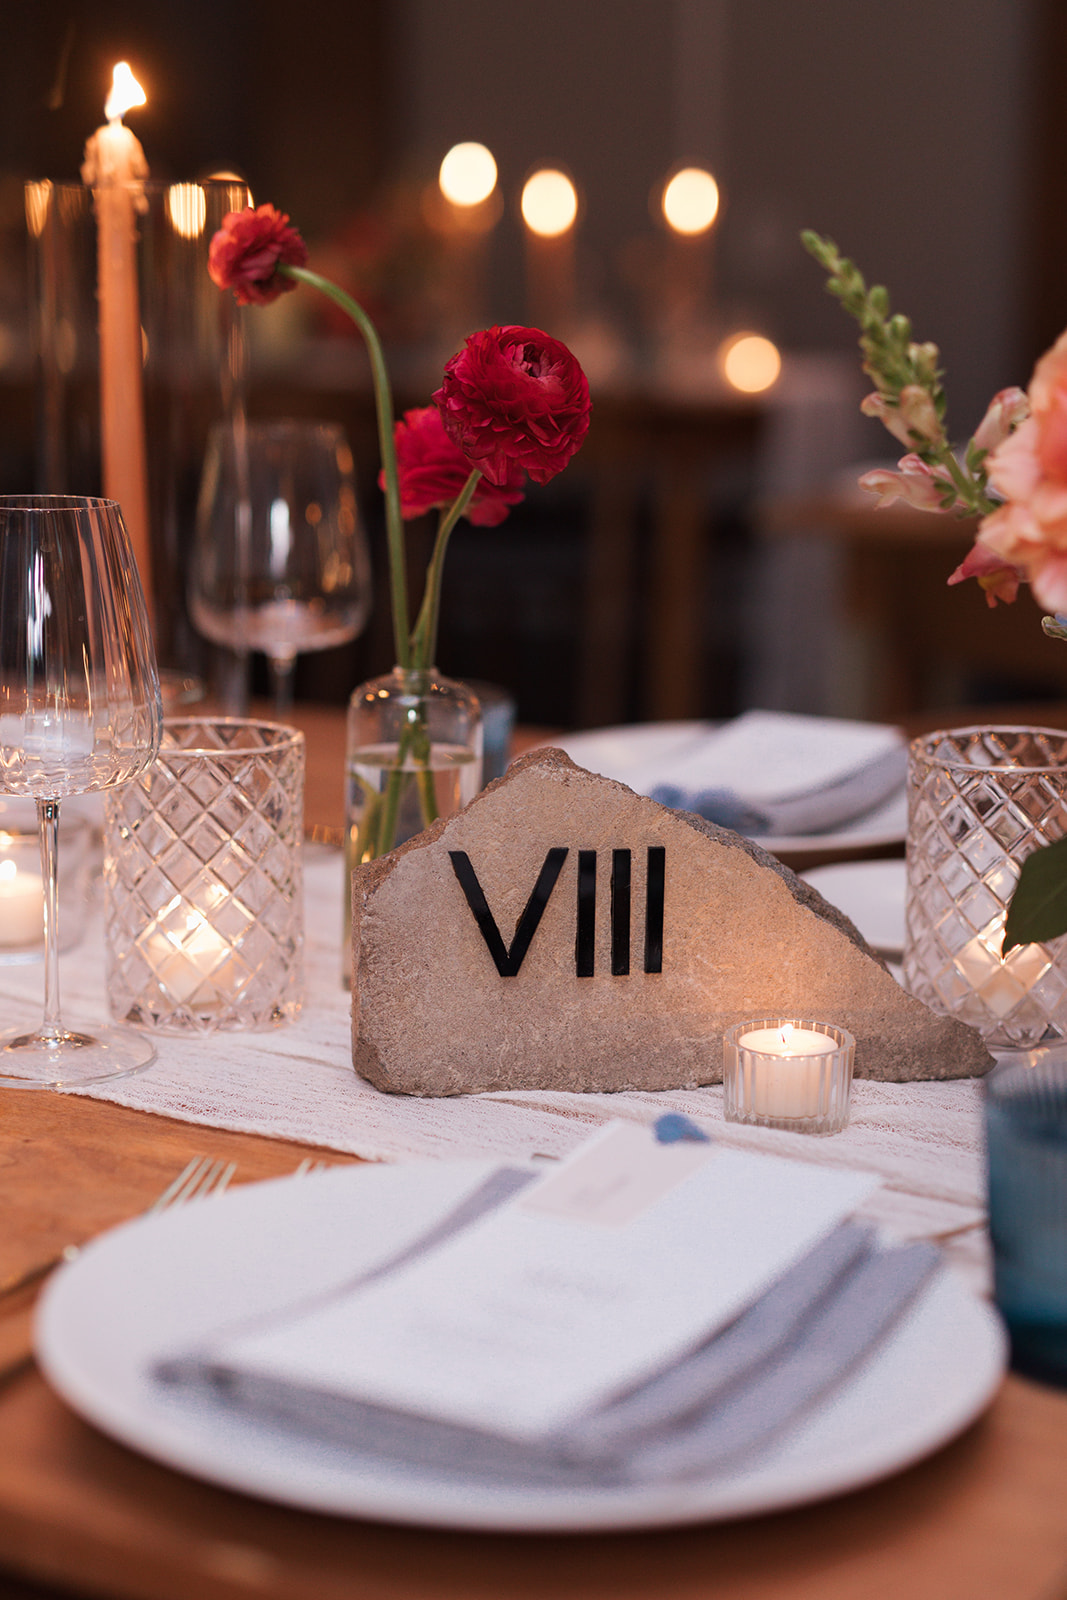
(784, 1073)
(21, 905)
(192, 963)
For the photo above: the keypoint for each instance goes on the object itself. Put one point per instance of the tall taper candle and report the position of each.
(114, 168)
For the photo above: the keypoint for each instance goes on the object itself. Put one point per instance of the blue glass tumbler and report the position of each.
(1026, 1153)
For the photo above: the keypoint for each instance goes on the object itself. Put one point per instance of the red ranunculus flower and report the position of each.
(247, 251)
(433, 471)
(514, 397)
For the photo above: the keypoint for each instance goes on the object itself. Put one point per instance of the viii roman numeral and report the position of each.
(509, 958)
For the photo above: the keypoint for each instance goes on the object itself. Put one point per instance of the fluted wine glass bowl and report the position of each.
(280, 559)
(80, 710)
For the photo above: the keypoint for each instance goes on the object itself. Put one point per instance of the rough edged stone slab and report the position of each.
(743, 938)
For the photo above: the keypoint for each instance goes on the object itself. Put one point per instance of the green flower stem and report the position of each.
(414, 739)
(893, 361)
(424, 635)
(414, 647)
(383, 400)
(394, 788)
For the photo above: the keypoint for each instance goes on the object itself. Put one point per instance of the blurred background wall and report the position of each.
(920, 134)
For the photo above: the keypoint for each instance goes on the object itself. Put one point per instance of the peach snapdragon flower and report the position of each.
(914, 482)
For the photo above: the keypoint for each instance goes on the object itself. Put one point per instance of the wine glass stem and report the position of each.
(282, 669)
(48, 826)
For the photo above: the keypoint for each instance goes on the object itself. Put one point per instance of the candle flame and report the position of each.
(786, 1034)
(187, 209)
(468, 174)
(7, 870)
(750, 362)
(549, 203)
(691, 201)
(126, 92)
(38, 198)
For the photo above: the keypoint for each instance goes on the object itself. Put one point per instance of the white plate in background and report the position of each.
(618, 752)
(871, 894)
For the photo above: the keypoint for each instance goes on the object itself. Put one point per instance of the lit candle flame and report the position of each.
(187, 209)
(786, 1034)
(468, 174)
(750, 362)
(691, 201)
(549, 203)
(8, 870)
(126, 92)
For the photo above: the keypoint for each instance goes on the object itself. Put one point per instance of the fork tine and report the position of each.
(211, 1180)
(199, 1177)
(308, 1167)
(177, 1189)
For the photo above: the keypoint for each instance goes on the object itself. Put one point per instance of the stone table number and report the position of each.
(563, 932)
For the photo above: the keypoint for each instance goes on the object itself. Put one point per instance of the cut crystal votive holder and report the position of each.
(788, 1072)
(203, 880)
(980, 800)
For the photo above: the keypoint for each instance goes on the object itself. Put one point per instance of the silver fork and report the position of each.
(199, 1177)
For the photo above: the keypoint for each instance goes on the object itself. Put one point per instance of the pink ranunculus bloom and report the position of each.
(1000, 581)
(247, 251)
(515, 398)
(1006, 410)
(915, 483)
(433, 470)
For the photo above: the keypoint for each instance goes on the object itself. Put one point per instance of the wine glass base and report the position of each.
(72, 1060)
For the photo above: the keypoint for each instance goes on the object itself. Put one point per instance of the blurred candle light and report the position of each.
(115, 169)
(688, 203)
(549, 208)
(691, 201)
(750, 362)
(463, 209)
(467, 175)
(187, 209)
(549, 203)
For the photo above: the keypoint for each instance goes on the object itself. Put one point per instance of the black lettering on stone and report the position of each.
(508, 959)
(585, 933)
(620, 913)
(654, 890)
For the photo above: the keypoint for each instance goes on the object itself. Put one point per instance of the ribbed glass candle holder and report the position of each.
(788, 1072)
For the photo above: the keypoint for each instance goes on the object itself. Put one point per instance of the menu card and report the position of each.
(596, 1275)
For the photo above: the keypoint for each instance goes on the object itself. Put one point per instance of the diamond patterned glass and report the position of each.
(979, 801)
(203, 877)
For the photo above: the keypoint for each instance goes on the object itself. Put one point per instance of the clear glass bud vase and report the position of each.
(414, 754)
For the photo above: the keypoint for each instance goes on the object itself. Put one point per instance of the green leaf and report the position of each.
(1038, 909)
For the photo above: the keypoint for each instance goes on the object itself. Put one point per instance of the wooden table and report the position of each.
(985, 1516)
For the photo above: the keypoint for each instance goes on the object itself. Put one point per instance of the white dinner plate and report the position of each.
(618, 752)
(154, 1286)
(871, 894)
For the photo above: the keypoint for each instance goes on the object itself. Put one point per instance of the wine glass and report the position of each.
(80, 710)
(280, 562)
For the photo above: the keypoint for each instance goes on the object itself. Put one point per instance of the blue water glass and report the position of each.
(498, 724)
(1026, 1152)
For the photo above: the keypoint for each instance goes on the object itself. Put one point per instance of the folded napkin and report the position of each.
(778, 773)
(716, 1408)
(720, 1396)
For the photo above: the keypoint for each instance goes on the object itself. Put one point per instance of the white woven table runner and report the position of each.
(296, 1082)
